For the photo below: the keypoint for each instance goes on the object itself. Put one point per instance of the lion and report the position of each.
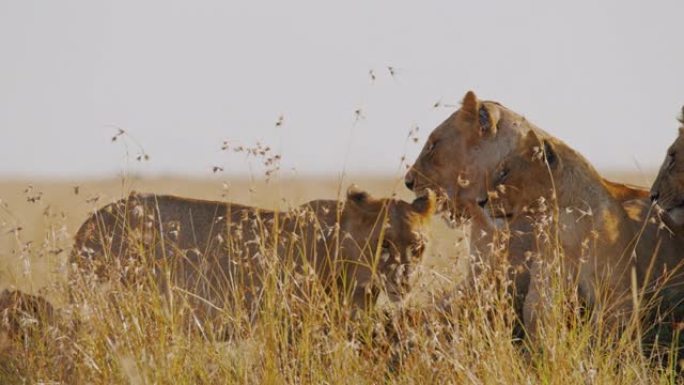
(361, 246)
(548, 182)
(23, 315)
(668, 188)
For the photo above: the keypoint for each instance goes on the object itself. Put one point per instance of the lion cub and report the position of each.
(360, 247)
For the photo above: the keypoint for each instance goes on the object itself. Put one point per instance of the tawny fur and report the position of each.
(216, 249)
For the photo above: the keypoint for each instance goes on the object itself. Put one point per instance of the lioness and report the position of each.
(217, 249)
(668, 187)
(547, 181)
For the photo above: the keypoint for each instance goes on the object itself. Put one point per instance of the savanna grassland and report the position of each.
(141, 338)
(48, 214)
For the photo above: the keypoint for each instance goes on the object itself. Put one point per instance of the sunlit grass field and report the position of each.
(48, 214)
(134, 336)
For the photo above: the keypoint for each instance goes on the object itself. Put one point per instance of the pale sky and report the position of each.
(183, 76)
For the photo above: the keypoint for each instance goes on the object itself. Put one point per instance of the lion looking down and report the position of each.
(215, 250)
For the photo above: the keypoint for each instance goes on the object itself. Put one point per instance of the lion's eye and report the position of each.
(670, 160)
(502, 175)
(431, 146)
(385, 251)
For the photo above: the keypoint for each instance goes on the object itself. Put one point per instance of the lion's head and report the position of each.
(523, 181)
(383, 241)
(668, 188)
(461, 151)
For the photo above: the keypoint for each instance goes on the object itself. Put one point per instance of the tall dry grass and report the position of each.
(147, 334)
(447, 334)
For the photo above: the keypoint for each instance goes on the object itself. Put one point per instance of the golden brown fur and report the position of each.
(548, 181)
(216, 249)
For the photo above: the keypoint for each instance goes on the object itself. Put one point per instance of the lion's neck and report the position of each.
(587, 207)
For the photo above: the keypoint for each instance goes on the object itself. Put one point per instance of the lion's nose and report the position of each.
(655, 195)
(409, 181)
(482, 202)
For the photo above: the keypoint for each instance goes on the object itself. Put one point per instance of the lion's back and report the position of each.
(148, 223)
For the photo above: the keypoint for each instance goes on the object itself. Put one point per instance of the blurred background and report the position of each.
(211, 99)
(183, 76)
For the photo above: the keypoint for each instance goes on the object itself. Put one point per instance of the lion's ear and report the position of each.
(469, 106)
(531, 140)
(540, 147)
(426, 205)
(357, 196)
(550, 154)
(488, 118)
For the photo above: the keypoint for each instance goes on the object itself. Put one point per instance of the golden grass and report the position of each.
(129, 336)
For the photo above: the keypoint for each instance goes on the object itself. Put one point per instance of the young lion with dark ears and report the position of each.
(361, 246)
(599, 246)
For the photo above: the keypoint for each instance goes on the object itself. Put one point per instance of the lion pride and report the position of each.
(462, 152)
(459, 158)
